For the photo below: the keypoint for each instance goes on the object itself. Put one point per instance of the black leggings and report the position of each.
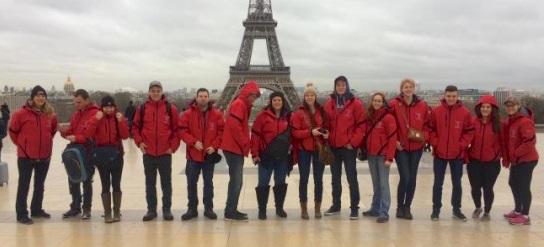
(520, 183)
(110, 175)
(482, 175)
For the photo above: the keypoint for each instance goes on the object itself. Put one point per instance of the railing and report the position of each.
(260, 68)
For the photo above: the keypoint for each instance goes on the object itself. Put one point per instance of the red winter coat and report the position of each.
(382, 140)
(265, 128)
(159, 132)
(207, 128)
(79, 122)
(520, 138)
(345, 125)
(417, 114)
(451, 130)
(104, 131)
(33, 133)
(236, 134)
(302, 129)
(486, 145)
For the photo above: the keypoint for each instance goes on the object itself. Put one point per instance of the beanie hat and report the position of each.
(37, 89)
(310, 88)
(107, 101)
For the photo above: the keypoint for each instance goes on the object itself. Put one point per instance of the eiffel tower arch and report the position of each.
(260, 24)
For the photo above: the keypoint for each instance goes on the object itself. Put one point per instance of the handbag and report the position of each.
(105, 156)
(324, 151)
(414, 134)
(362, 153)
(279, 146)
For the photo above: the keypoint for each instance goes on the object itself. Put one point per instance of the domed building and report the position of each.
(69, 87)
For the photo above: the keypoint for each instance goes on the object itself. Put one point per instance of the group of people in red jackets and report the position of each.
(386, 131)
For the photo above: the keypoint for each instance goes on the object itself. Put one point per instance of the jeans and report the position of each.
(520, 182)
(192, 171)
(482, 175)
(236, 175)
(305, 160)
(456, 169)
(348, 156)
(25, 167)
(381, 200)
(110, 175)
(164, 165)
(269, 165)
(75, 189)
(407, 165)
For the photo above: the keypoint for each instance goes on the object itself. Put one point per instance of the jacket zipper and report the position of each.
(156, 128)
(40, 135)
(482, 145)
(448, 124)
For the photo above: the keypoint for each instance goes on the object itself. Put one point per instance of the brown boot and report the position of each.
(304, 211)
(106, 201)
(117, 206)
(318, 210)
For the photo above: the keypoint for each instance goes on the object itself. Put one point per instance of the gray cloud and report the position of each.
(112, 44)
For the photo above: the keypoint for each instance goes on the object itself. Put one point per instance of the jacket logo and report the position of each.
(418, 117)
(457, 124)
(211, 126)
(348, 112)
(513, 133)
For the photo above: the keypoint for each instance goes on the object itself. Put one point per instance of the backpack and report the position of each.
(142, 113)
(73, 160)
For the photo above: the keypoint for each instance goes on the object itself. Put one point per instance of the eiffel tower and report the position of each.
(260, 24)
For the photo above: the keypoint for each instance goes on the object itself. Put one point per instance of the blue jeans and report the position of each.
(192, 171)
(236, 174)
(305, 160)
(381, 200)
(348, 156)
(456, 169)
(269, 165)
(407, 164)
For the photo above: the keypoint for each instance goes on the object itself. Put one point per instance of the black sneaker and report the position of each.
(435, 216)
(240, 213)
(332, 211)
(354, 214)
(25, 220)
(40, 214)
(210, 214)
(191, 213)
(167, 215)
(459, 216)
(71, 213)
(370, 213)
(150, 215)
(86, 214)
(235, 217)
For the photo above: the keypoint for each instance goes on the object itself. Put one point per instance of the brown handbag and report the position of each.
(326, 157)
(414, 134)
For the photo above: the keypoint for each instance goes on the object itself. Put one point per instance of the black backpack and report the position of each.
(142, 113)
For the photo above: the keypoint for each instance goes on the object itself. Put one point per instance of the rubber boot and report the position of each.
(262, 199)
(280, 191)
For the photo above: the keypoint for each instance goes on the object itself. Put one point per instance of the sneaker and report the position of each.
(459, 216)
(476, 213)
(354, 214)
(71, 213)
(382, 220)
(485, 217)
(240, 213)
(86, 214)
(521, 220)
(435, 216)
(40, 214)
(191, 213)
(25, 220)
(510, 215)
(370, 213)
(150, 215)
(210, 214)
(235, 217)
(332, 211)
(167, 215)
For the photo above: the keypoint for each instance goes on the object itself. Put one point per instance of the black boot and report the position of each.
(117, 206)
(279, 196)
(106, 201)
(262, 200)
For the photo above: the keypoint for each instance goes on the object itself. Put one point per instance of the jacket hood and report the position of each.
(348, 95)
(194, 105)
(487, 99)
(524, 112)
(415, 100)
(250, 87)
(445, 104)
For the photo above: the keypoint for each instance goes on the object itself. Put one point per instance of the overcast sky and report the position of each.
(106, 44)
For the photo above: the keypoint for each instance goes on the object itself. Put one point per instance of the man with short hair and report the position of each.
(201, 128)
(75, 133)
(451, 132)
(154, 132)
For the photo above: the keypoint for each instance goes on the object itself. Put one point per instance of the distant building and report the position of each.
(69, 87)
(501, 94)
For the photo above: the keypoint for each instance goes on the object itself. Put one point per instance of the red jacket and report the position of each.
(33, 133)
(345, 124)
(451, 130)
(520, 138)
(417, 114)
(486, 145)
(104, 131)
(382, 140)
(302, 130)
(207, 128)
(265, 128)
(159, 132)
(79, 122)
(236, 134)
